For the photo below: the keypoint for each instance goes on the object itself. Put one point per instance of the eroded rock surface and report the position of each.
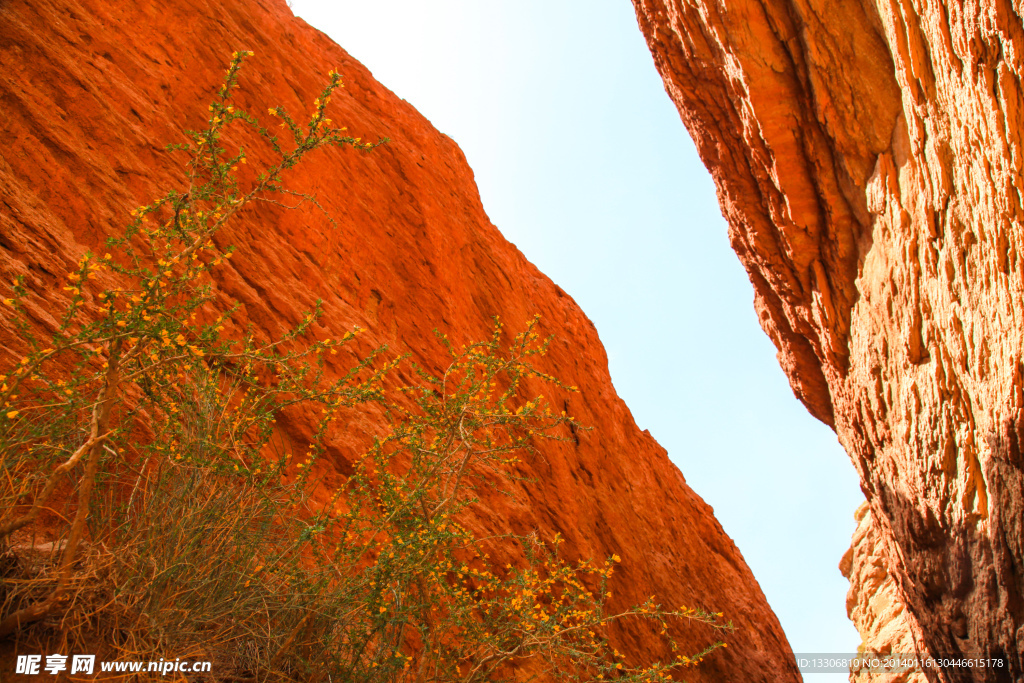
(875, 605)
(91, 91)
(867, 155)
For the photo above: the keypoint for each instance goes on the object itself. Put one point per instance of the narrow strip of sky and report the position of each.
(583, 163)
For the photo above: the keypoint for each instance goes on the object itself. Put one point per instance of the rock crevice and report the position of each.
(90, 92)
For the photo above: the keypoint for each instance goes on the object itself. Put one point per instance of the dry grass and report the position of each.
(199, 567)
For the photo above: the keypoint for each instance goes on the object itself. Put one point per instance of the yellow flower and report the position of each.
(12, 414)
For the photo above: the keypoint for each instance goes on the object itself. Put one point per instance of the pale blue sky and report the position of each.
(583, 163)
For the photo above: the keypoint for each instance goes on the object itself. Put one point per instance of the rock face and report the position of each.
(868, 157)
(874, 603)
(90, 92)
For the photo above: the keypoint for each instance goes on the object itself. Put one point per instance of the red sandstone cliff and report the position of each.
(91, 91)
(874, 602)
(868, 159)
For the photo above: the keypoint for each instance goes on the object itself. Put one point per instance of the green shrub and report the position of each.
(197, 532)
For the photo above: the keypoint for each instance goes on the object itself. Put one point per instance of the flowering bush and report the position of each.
(196, 532)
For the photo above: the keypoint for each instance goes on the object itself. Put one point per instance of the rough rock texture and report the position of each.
(874, 603)
(868, 157)
(91, 91)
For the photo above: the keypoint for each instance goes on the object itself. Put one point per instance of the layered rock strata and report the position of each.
(90, 92)
(868, 158)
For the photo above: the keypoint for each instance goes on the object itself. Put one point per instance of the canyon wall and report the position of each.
(868, 158)
(90, 92)
(875, 605)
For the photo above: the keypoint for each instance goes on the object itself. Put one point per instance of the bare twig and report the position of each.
(92, 453)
